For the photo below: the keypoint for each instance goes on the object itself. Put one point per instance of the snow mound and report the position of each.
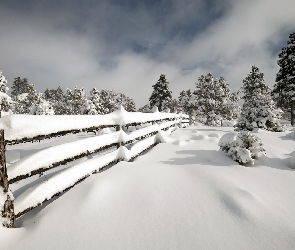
(124, 154)
(190, 197)
(104, 131)
(163, 137)
(227, 139)
(227, 123)
(214, 135)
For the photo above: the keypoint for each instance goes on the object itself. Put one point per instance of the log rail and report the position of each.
(146, 137)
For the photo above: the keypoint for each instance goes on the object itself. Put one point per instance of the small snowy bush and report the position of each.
(242, 147)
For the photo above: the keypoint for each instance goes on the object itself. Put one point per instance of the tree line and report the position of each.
(25, 99)
(211, 102)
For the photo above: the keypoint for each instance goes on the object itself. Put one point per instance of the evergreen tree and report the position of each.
(259, 110)
(212, 101)
(145, 109)
(231, 108)
(3, 82)
(107, 99)
(184, 102)
(161, 96)
(96, 100)
(24, 101)
(57, 100)
(42, 108)
(74, 101)
(173, 106)
(20, 86)
(89, 108)
(126, 102)
(5, 100)
(284, 89)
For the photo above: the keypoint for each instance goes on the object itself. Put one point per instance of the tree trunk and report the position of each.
(7, 207)
(292, 113)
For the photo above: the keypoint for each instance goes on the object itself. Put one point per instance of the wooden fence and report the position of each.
(17, 129)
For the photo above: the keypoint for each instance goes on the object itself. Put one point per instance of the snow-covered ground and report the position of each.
(183, 194)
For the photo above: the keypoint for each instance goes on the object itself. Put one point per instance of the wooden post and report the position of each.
(118, 128)
(292, 112)
(6, 206)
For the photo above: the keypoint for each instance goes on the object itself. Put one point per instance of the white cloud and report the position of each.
(70, 50)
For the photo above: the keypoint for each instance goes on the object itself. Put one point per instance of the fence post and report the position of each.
(6, 203)
(118, 128)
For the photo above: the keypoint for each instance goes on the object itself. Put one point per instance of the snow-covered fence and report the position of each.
(26, 128)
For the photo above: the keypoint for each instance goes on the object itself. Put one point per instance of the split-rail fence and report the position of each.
(16, 129)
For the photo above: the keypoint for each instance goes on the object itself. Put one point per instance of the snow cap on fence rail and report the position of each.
(123, 137)
(123, 154)
(18, 127)
(120, 115)
(47, 157)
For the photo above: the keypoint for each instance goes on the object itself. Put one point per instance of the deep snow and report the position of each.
(183, 194)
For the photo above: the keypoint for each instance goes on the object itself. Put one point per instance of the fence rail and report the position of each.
(17, 129)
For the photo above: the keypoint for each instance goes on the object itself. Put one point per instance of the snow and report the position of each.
(41, 125)
(47, 157)
(184, 194)
(227, 139)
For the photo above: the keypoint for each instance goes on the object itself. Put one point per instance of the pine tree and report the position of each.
(74, 101)
(24, 101)
(231, 108)
(212, 101)
(145, 109)
(184, 102)
(57, 100)
(259, 110)
(96, 100)
(20, 86)
(284, 89)
(42, 108)
(173, 106)
(107, 99)
(5, 100)
(89, 108)
(127, 103)
(161, 94)
(3, 82)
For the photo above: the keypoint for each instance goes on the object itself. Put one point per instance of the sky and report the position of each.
(125, 45)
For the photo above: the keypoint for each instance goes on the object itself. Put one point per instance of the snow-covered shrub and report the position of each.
(242, 147)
